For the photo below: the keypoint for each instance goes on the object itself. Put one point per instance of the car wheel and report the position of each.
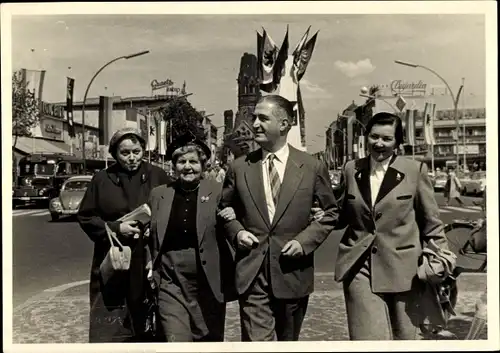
(464, 191)
(54, 216)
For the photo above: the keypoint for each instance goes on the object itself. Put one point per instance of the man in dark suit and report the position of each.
(272, 191)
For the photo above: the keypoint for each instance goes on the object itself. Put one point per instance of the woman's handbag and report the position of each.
(438, 273)
(117, 259)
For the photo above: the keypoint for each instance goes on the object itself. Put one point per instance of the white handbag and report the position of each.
(117, 258)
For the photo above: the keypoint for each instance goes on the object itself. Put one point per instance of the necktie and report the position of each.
(274, 179)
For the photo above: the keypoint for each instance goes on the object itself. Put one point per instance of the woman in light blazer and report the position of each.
(390, 212)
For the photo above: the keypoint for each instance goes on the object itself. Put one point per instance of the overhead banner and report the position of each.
(69, 106)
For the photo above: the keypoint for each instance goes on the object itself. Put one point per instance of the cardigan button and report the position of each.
(374, 250)
(203, 262)
(201, 251)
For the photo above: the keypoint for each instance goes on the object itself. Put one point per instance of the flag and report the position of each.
(429, 112)
(105, 122)
(279, 69)
(33, 80)
(410, 127)
(142, 124)
(69, 106)
(152, 132)
(361, 146)
(303, 57)
(163, 138)
(268, 53)
(300, 45)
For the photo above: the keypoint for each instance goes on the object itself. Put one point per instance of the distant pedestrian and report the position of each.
(116, 311)
(453, 188)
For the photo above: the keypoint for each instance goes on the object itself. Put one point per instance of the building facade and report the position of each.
(471, 137)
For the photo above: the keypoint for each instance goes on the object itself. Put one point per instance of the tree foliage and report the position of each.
(184, 118)
(25, 107)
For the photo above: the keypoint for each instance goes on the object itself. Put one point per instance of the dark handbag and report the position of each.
(150, 309)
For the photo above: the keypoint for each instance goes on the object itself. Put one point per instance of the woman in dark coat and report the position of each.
(116, 314)
(192, 262)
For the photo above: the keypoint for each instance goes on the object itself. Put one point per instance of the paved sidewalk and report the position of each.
(63, 317)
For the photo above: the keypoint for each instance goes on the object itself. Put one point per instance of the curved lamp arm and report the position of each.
(444, 81)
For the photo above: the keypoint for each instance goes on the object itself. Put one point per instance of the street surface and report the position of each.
(48, 254)
(51, 264)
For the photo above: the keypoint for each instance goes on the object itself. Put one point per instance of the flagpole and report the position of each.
(148, 128)
(463, 123)
(433, 111)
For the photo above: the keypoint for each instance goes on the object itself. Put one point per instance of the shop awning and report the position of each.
(30, 145)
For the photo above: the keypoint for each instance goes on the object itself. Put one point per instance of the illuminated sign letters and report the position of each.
(155, 84)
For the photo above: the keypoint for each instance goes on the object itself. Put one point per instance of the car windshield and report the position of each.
(479, 175)
(45, 169)
(76, 185)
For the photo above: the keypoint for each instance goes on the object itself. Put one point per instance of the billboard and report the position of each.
(469, 149)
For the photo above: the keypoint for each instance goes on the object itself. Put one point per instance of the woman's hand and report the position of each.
(316, 214)
(129, 229)
(227, 214)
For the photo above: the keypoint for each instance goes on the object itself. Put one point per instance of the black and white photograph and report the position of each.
(202, 176)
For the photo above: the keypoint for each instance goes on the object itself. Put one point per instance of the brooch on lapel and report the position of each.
(398, 177)
(143, 178)
(204, 198)
(359, 176)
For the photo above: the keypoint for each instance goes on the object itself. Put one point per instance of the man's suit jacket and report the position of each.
(405, 216)
(305, 180)
(215, 255)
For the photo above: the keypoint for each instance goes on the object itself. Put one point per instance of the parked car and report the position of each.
(70, 197)
(474, 184)
(439, 182)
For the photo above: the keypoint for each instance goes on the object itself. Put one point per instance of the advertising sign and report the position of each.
(469, 149)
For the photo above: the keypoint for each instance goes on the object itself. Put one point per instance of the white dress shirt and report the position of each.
(377, 174)
(280, 164)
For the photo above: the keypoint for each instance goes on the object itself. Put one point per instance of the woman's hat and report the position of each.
(120, 134)
(184, 140)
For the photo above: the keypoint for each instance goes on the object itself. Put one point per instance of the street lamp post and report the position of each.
(454, 99)
(87, 91)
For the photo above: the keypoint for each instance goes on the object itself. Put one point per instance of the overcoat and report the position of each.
(108, 198)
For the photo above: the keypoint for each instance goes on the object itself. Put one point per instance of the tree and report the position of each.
(184, 118)
(25, 107)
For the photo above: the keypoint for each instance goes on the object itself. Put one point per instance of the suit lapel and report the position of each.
(255, 184)
(362, 177)
(392, 179)
(291, 180)
(204, 207)
(165, 205)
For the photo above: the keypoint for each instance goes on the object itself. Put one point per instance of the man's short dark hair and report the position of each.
(385, 118)
(281, 103)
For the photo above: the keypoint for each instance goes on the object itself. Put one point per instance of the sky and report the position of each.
(352, 51)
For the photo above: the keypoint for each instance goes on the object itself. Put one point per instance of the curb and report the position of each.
(48, 294)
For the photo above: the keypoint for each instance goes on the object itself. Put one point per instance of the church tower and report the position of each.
(248, 88)
(248, 95)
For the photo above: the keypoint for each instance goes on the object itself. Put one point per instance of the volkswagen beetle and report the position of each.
(70, 197)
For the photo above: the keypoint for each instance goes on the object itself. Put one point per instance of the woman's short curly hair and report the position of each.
(191, 147)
